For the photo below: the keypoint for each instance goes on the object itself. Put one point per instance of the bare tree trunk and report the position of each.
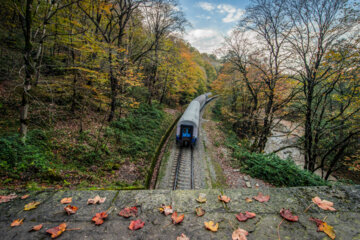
(114, 86)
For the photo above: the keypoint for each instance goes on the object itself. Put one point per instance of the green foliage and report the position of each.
(138, 134)
(31, 157)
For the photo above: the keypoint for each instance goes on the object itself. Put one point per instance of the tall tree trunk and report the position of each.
(113, 85)
(309, 161)
(24, 108)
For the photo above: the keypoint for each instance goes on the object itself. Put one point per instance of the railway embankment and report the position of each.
(50, 212)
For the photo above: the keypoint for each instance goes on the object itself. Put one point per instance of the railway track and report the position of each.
(183, 169)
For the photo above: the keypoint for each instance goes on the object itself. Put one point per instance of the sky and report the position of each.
(210, 21)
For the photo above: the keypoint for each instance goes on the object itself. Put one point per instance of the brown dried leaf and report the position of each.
(201, 198)
(211, 226)
(36, 227)
(96, 199)
(57, 231)
(324, 204)
(248, 200)
(128, 212)
(7, 198)
(224, 198)
(70, 209)
(177, 218)
(239, 234)
(137, 224)
(182, 237)
(17, 222)
(261, 198)
(31, 205)
(199, 211)
(166, 209)
(25, 196)
(286, 213)
(66, 200)
(99, 218)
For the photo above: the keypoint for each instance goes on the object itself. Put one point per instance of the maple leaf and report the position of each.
(17, 222)
(25, 196)
(199, 211)
(177, 219)
(248, 200)
(239, 234)
(324, 227)
(261, 198)
(70, 209)
(182, 237)
(7, 198)
(166, 209)
(323, 204)
(243, 217)
(57, 231)
(286, 213)
(66, 200)
(128, 212)
(201, 198)
(36, 227)
(224, 198)
(96, 199)
(211, 226)
(31, 205)
(137, 224)
(99, 218)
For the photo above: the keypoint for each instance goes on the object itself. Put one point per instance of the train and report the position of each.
(188, 127)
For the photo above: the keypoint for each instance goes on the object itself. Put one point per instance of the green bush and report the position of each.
(31, 157)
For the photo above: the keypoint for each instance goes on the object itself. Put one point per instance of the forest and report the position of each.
(92, 80)
(88, 88)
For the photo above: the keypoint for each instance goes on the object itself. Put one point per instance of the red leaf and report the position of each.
(261, 198)
(243, 217)
(137, 224)
(57, 231)
(99, 218)
(316, 220)
(128, 212)
(7, 198)
(286, 213)
(70, 209)
(177, 219)
(36, 227)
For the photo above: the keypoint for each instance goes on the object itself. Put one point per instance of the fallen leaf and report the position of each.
(239, 234)
(31, 205)
(137, 224)
(211, 226)
(99, 218)
(36, 227)
(66, 200)
(199, 211)
(128, 212)
(323, 204)
(286, 213)
(329, 230)
(177, 219)
(166, 209)
(7, 198)
(324, 227)
(201, 198)
(70, 209)
(182, 237)
(224, 198)
(261, 198)
(96, 199)
(243, 217)
(248, 200)
(57, 231)
(17, 222)
(25, 196)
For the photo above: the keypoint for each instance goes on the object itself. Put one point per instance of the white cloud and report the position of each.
(207, 6)
(205, 40)
(233, 14)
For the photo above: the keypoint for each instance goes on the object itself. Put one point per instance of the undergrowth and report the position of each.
(268, 167)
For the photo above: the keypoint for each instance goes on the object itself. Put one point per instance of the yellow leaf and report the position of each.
(329, 230)
(201, 198)
(31, 205)
(66, 200)
(211, 226)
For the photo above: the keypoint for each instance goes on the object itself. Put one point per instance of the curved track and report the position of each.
(183, 169)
